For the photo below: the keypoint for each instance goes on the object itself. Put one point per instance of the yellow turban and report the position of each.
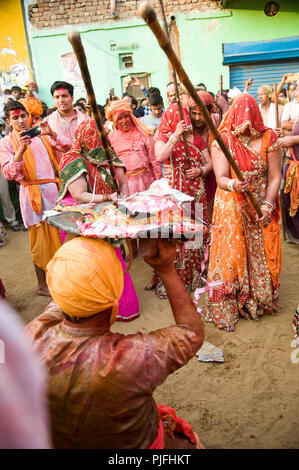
(85, 277)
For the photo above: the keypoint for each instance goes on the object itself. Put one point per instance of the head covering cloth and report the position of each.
(85, 277)
(170, 120)
(33, 107)
(206, 98)
(243, 114)
(116, 108)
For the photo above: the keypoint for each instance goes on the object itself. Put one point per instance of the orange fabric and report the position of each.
(244, 256)
(33, 107)
(292, 184)
(29, 170)
(44, 242)
(85, 277)
(116, 108)
(42, 181)
(271, 233)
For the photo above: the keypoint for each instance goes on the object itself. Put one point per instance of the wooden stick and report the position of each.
(176, 85)
(276, 105)
(220, 91)
(221, 84)
(147, 12)
(75, 39)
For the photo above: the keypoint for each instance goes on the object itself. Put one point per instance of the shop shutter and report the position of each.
(263, 73)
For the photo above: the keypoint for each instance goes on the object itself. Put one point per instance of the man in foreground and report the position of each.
(101, 383)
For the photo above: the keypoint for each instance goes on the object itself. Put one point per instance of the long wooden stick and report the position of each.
(276, 105)
(75, 40)
(176, 85)
(220, 91)
(147, 12)
(221, 84)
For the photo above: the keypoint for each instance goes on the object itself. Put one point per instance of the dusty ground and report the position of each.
(249, 401)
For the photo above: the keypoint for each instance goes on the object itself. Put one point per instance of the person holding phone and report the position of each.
(32, 162)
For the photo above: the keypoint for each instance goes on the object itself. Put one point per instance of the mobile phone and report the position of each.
(35, 131)
(111, 92)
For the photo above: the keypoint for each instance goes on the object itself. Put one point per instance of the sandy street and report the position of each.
(249, 401)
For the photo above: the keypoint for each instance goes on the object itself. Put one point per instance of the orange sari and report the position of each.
(245, 256)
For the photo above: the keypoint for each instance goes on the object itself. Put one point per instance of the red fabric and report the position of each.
(159, 442)
(182, 427)
(244, 113)
(199, 142)
(170, 120)
(2, 290)
(87, 137)
(206, 98)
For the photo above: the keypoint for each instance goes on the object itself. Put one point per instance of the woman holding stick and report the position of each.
(246, 251)
(190, 180)
(85, 177)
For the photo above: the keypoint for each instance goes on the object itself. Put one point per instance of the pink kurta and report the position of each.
(137, 152)
(44, 170)
(65, 128)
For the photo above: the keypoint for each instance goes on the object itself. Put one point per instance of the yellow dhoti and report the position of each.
(44, 242)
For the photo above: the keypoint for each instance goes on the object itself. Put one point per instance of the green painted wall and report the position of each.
(202, 35)
(203, 60)
(103, 62)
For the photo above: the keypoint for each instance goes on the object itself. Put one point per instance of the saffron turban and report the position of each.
(85, 277)
(116, 108)
(33, 107)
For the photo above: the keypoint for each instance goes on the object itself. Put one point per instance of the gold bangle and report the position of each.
(173, 139)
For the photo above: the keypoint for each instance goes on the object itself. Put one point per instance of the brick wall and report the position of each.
(52, 13)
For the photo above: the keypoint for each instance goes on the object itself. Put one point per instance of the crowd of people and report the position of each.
(101, 383)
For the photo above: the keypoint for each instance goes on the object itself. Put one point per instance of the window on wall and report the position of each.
(133, 90)
(126, 61)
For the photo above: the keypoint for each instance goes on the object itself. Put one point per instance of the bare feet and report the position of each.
(43, 291)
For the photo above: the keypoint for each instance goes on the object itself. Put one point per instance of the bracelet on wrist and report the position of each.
(173, 139)
(266, 209)
(203, 171)
(230, 185)
(269, 204)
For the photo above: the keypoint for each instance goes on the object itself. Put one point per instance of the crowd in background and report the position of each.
(149, 139)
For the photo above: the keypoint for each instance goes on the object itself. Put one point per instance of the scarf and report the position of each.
(29, 171)
(116, 108)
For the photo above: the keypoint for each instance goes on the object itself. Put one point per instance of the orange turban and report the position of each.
(116, 108)
(85, 277)
(205, 97)
(33, 107)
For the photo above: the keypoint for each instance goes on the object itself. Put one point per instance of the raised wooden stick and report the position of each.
(220, 91)
(276, 105)
(176, 86)
(147, 12)
(75, 40)
(221, 84)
